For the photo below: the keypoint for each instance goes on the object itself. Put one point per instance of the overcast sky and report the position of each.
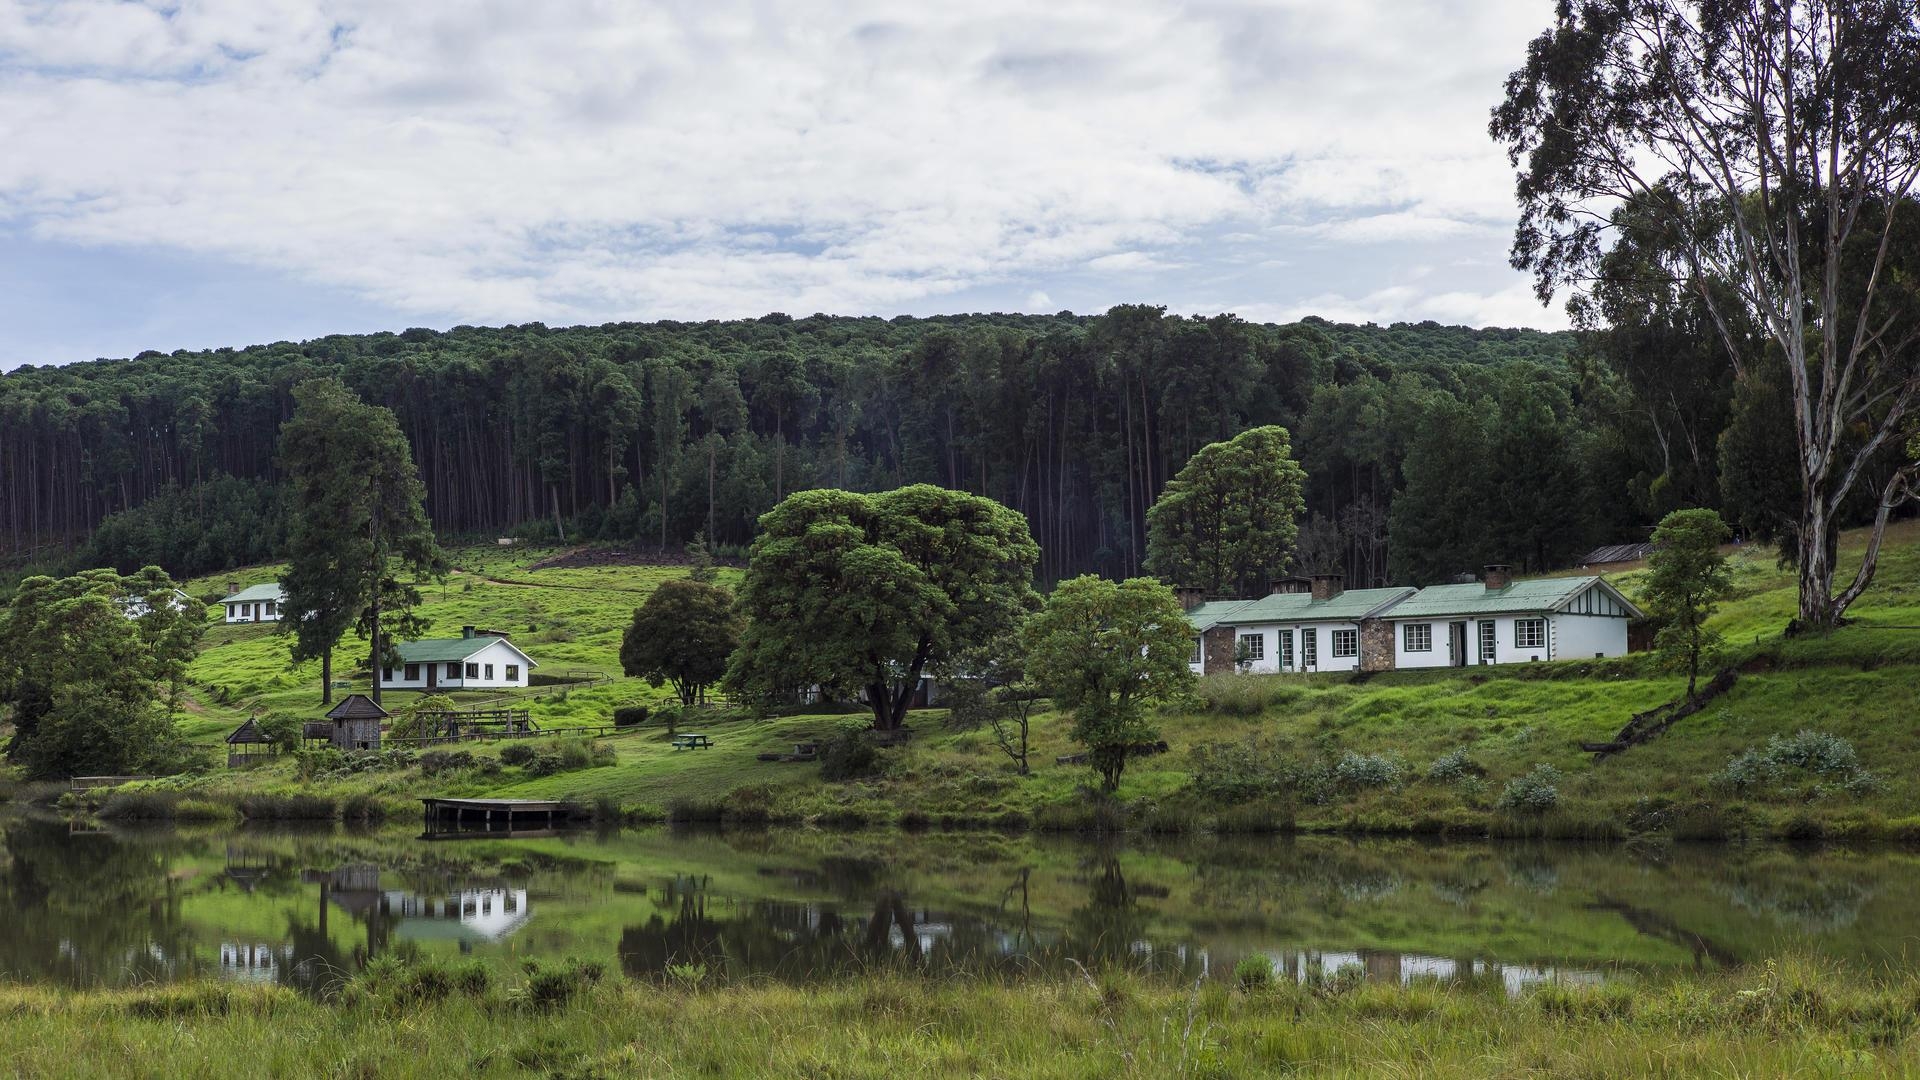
(181, 174)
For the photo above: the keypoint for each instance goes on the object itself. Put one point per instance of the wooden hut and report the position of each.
(356, 723)
(248, 745)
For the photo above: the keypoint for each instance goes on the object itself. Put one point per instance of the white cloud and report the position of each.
(1039, 301)
(583, 160)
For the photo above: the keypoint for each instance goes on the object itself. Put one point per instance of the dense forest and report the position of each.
(1428, 449)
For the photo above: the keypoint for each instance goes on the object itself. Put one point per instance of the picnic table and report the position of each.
(690, 741)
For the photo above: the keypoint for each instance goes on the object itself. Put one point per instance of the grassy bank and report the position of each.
(1449, 752)
(574, 1020)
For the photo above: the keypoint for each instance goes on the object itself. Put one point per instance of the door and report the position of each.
(433, 676)
(1457, 644)
(1486, 641)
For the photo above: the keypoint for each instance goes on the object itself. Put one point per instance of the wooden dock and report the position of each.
(449, 817)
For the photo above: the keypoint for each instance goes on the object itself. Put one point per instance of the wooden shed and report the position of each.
(356, 723)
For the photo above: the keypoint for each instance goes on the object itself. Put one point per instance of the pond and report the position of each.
(85, 906)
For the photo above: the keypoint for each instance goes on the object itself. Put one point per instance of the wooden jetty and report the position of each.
(473, 817)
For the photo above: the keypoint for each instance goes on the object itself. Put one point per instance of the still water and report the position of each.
(81, 905)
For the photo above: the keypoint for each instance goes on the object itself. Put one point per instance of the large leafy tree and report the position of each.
(866, 592)
(682, 635)
(1776, 143)
(1105, 650)
(86, 665)
(1687, 576)
(1228, 519)
(357, 520)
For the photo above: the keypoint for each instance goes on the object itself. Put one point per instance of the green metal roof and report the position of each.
(270, 591)
(449, 650)
(1518, 598)
(1350, 606)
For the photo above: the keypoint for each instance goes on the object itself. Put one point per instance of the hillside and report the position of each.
(1856, 684)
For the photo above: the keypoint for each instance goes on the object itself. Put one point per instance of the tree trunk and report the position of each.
(1817, 611)
(326, 676)
(558, 526)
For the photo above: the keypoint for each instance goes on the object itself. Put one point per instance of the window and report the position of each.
(1419, 637)
(1286, 650)
(413, 672)
(269, 609)
(1486, 642)
(489, 671)
(1346, 643)
(453, 671)
(513, 672)
(473, 671)
(1529, 633)
(386, 674)
(1309, 647)
(1253, 646)
(1197, 656)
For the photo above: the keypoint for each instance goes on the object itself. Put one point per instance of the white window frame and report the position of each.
(1286, 650)
(1425, 637)
(1535, 624)
(1346, 643)
(1309, 647)
(513, 672)
(1489, 638)
(1199, 649)
(1253, 647)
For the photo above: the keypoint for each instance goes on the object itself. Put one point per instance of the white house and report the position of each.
(135, 607)
(472, 661)
(1502, 621)
(258, 603)
(1314, 630)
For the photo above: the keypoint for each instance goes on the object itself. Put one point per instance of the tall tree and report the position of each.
(862, 593)
(1104, 650)
(1778, 143)
(1687, 577)
(1229, 517)
(358, 518)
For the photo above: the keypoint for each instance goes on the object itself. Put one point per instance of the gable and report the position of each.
(1598, 598)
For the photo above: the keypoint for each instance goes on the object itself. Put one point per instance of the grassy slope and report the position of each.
(1857, 683)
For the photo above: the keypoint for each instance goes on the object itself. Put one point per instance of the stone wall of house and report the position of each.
(1376, 645)
(1216, 650)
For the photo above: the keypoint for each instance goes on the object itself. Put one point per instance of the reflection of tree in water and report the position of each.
(89, 910)
(1533, 869)
(1809, 901)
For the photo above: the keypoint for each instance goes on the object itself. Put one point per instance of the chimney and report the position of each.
(233, 586)
(1328, 586)
(1291, 585)
(1499, 576)
(1190, 597)
(466, 631)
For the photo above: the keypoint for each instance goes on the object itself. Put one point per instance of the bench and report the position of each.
(691, 742)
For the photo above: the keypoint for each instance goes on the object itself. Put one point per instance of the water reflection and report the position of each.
(107, 907)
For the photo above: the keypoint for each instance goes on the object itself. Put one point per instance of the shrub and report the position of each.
(517, 754)
(1535, 792)
(849, 755)
(1356, 771)
(550, 986)
(1454, 766)
(312, 763)
(629, 716)
(1255, 970)
(1805, 754)
(437, 762)
(1230, 773)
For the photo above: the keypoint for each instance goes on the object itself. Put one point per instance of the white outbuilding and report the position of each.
(257, 603)
(1503, 621)
(473, 661)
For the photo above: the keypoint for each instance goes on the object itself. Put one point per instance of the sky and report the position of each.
(180, 174)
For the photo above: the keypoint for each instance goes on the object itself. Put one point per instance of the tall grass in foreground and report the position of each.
(573, 1020)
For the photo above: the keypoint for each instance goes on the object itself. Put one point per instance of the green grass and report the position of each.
(1856, 682)
(446, 1019)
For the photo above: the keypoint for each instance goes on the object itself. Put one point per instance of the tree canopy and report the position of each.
(682, 635)
(91, 666)
(1687, 576)
(1761, 159)
(1228, 519)
(1103, 649)
(863, 594)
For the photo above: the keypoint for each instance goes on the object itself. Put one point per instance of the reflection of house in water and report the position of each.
(469, 915)
(254, 962)
(1306, 965)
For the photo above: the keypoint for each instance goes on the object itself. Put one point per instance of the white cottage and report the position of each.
(472, 661)
(259, 603)
(1315, 629)
(1503, 621)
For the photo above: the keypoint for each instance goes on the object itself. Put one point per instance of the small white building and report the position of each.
(1502, 621)
(258, 603)
(135, 607)
(472, 661)
(1313, 630)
